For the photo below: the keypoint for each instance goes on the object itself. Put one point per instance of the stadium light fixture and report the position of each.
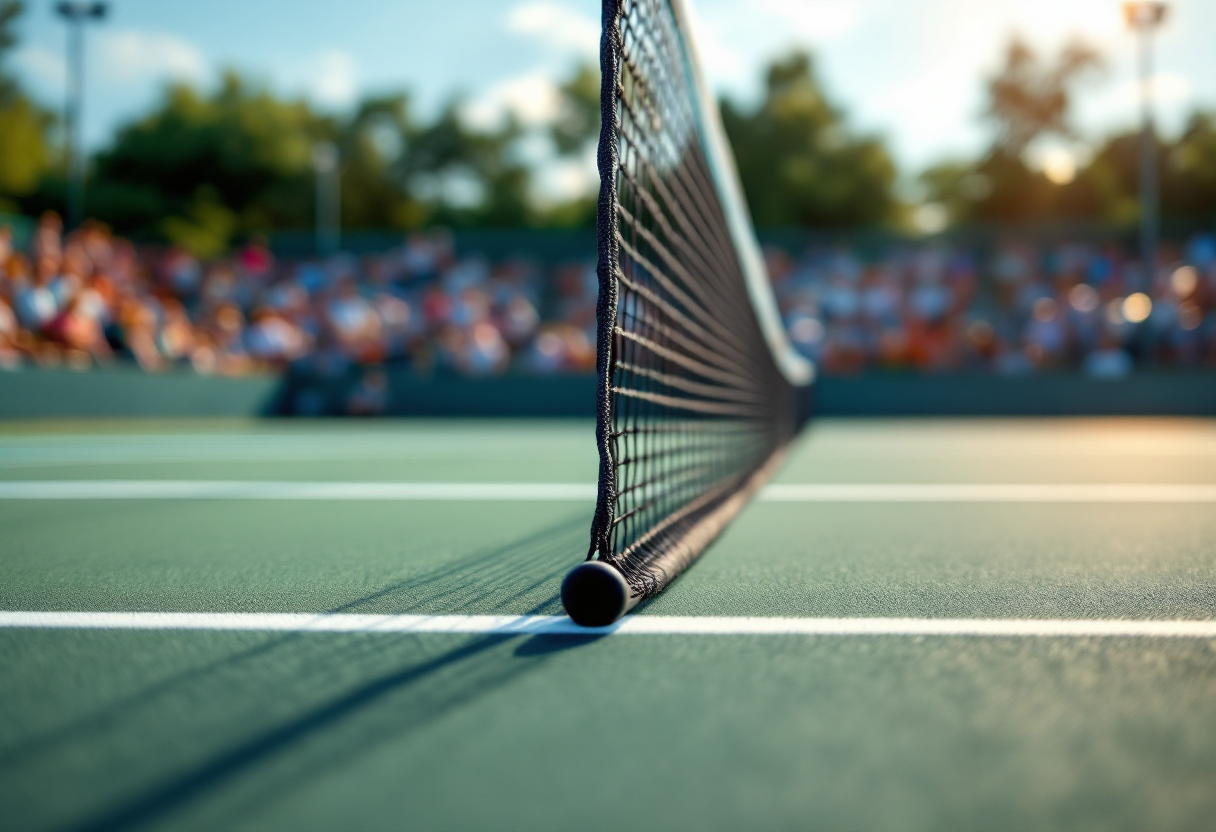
(76, 14)
(1144, 16)
(328, 228)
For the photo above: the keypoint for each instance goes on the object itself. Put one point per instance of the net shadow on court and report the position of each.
(327, 697)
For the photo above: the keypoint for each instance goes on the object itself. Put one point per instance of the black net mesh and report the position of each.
(693, 409)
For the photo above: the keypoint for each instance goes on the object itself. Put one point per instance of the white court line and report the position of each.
(992, 493)
(630, 625)
(237, 490)
(585, 492)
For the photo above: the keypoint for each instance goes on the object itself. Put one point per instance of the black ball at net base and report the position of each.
(594, 594)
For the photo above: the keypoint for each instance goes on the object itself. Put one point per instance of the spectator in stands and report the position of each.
(88, 298)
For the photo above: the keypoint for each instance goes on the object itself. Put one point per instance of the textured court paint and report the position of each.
(829, 451)
(334, 730)
(320, 731)
(513, 625)
(578, 492)
(925, 560)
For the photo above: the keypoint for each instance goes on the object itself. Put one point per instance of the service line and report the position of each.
(509, 625)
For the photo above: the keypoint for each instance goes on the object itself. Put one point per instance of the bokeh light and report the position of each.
(1137, 307)
(1083, 298)
(1045, 310)
(1184, 280)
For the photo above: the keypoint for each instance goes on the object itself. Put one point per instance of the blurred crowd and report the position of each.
(89, 298)
(1017, 309)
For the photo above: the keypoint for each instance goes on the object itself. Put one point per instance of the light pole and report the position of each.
(76, 14)
(329, 218)
(1144, 16)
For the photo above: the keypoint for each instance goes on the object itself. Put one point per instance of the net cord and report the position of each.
(608, 257)
(797, 370)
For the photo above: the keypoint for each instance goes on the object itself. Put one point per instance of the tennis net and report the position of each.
(699, 388)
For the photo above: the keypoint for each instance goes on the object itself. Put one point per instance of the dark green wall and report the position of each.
(118, 392)
(128, 391)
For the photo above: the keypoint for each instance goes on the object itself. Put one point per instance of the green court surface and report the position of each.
(197, 729)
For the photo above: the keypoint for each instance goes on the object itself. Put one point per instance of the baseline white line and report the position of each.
(630, 625)
(991, 493)
(237, 490)
(585, 492)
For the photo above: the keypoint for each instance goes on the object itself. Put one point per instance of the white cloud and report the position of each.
(1048, 23)
(737, 39)
(44, 67)
(131, 55)
(1117, 107)
(532, 98)
(929, 114)
(1166, 88)
(721, 63)
(558, 25)
(334, 78)
(814, 20)
(561, 180)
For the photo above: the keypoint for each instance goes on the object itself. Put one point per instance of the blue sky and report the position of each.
(908, 69)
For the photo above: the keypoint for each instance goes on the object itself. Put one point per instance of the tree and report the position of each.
(370, 145)
(205, 168)
(578, 118)
(797, 161)
(999, 187)
(1027, 100)
(1030, 98)
(1108, 187)
(466, 176)
(1190, 171)
(574, 134)
(10, 10)
(25, 151)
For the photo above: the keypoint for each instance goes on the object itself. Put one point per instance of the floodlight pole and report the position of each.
(76, 14)
(329, 206)
(1145, 16)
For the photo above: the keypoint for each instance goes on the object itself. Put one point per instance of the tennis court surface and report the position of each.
(717, 727)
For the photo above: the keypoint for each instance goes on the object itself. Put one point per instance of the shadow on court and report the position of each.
(257, 723)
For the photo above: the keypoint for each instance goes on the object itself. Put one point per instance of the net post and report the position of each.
(595, 594)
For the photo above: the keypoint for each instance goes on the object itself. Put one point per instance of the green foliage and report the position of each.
(207, 227)
(240, 148)
(26, 155)
(1190, 170)
(579, 212)
(797, 161)
(466, 176)
(578, 119)
(1000, 187)
(204, 170)
(1108, 188)
(10, 10)
(370, 143)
